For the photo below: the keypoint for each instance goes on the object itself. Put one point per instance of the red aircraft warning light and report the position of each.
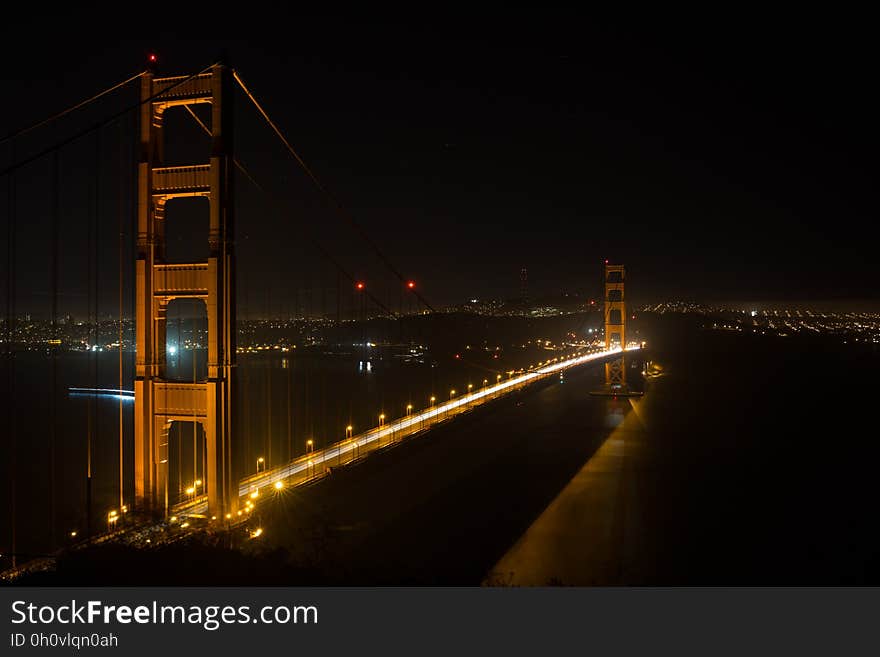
(359, 285)
(411, 285)
(152, 57)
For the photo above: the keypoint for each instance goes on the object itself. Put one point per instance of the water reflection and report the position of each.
(615, 412)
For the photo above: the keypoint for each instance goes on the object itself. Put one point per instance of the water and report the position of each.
(754, 464)
(750, 461)
(284, 399)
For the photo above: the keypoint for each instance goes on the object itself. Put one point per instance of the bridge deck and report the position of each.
(306, 467)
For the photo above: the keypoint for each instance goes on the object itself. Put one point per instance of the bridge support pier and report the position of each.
(615, 333)
(159, 401)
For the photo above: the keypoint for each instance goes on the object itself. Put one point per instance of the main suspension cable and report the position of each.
(323, 251)
(100, 124)
(238, 165)
(83, 103)
(339, 207)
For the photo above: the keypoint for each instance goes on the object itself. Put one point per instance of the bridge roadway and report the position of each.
(307, 467)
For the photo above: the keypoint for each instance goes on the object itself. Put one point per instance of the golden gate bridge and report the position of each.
(209, 398)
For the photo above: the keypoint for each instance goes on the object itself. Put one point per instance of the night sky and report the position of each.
(720, 157)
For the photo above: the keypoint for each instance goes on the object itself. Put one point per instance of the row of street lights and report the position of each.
(310, 444)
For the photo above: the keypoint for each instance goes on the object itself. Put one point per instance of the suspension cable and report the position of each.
(238, 164)
(339, 207)
(119, 337)
(83, 103)
(11, 329)
(323, 251)
(53, 418)
(100, 124)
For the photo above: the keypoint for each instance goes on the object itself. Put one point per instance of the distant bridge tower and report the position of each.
(159, 402)
(615, 324)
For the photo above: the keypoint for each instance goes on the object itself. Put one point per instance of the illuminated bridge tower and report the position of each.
(615, 325)
(159, 402)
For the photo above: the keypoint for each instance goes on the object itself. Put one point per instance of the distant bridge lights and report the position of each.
(303, 469)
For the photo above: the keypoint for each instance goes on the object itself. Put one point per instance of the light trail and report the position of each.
(113, 393)
(304, 468)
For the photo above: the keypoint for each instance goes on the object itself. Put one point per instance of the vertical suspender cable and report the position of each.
(176, 427)
(97, 233)
(120, 278)
(89, 405)
(133, 162)
(269, 382)
(289, 403)
(194, 420)
(10, 355)
(53, 418)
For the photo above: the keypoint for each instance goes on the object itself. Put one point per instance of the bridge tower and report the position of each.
(158, 401)
(615, 325)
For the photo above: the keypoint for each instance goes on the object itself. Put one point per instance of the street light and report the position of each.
(433, 399)
(348, 431)
(261, 463)
(310, 445)
(381, 420)
(408, 410)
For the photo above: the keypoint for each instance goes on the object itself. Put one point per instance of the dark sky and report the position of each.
(720, 156)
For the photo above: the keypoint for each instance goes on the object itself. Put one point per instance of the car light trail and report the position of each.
(249, 487)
